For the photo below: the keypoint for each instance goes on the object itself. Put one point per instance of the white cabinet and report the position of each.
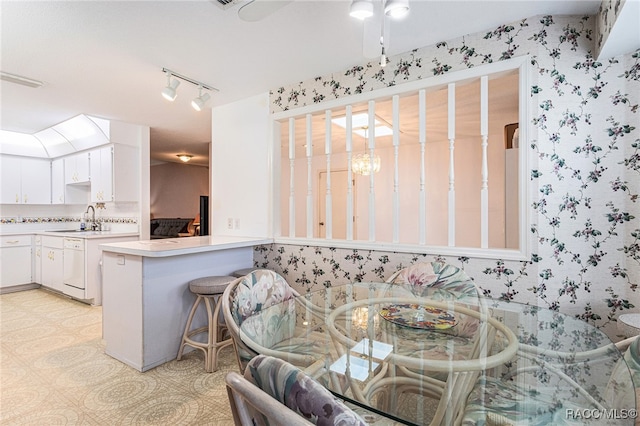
(37, 260)
(25, 180)
(36, 181)
(52, 263)
(61, 193)
(101, 165)
(10, 189)
(114, 174)
(15, 256)
(76, 168)
(57, 181)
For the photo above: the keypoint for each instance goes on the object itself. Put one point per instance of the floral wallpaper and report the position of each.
(607, 15)
(584, 185)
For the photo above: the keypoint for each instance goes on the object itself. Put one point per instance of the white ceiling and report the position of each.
(105, 58)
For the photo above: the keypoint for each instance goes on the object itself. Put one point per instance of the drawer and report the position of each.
(15, 240)
(52, 242)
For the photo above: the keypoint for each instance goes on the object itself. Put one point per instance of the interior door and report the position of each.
(339, 186)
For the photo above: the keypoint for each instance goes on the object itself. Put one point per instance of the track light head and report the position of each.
(169, 92)
(198, 103)
(361, 9)
(396, 8)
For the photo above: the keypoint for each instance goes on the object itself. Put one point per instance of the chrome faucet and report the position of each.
(94, 225)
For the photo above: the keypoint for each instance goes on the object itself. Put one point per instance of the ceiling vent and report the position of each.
(226, 4)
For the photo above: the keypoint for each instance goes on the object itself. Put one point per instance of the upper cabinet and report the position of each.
(57, 181)
(101, 165)
(25, 180)
(61, 193)
(114, 173)
(76, 168)
(88, 159)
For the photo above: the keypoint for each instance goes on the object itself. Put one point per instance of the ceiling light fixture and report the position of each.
(169, 92)
(184, 157)
(361, 9)
(396, 8)
(365, 163)
(198, 103)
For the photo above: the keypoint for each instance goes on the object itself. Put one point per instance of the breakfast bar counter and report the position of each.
(145, 292)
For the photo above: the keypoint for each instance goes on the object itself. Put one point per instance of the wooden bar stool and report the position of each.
(207, 290)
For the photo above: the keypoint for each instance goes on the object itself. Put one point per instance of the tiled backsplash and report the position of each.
(18, 220)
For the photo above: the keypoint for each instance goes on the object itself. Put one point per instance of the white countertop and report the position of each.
(179, 246)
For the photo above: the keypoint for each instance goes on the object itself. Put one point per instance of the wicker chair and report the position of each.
(474, 337)
(274, 392)
(253, 293)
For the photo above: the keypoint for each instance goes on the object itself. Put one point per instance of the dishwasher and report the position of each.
(73, 265)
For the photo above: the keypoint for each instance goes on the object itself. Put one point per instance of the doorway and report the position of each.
(339, 187)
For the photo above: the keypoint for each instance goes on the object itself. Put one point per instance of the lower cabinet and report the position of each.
(37, 260)
(52, 256)
(15, 255)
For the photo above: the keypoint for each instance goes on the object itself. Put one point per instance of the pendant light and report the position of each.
(362, 164)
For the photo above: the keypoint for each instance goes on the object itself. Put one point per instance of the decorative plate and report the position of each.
(418, 316)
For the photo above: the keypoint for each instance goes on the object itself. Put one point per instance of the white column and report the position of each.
(292, 177)
(484, 134)
(422, 135)
(452, 136)
(349, 148)
(328, 202)
(372, 191)
(309, 147)
(396, 167)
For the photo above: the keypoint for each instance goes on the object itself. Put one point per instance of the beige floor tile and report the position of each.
(53, 371)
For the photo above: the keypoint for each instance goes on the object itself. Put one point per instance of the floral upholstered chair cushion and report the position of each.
(299, 392)
(442, 282)
(632, 358)
(259, 290)
(503, 402)
(267, 293)
(554, 402)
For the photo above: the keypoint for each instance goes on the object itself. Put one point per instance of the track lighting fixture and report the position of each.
(198, 103)
(361, 9)
(169, 92)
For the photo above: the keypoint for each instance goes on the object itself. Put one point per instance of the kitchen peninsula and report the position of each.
(146, 297)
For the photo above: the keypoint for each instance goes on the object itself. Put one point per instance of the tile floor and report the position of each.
(53, 371)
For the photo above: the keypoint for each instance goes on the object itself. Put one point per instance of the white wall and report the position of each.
(239, 164)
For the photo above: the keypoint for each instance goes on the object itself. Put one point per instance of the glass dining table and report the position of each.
(402, 358)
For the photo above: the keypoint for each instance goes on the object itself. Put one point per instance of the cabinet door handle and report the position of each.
(13, 242)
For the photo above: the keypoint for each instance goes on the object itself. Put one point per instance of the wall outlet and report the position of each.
(236, 223)
(230, 223)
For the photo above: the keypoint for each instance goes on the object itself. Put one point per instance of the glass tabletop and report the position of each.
(411, 357)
